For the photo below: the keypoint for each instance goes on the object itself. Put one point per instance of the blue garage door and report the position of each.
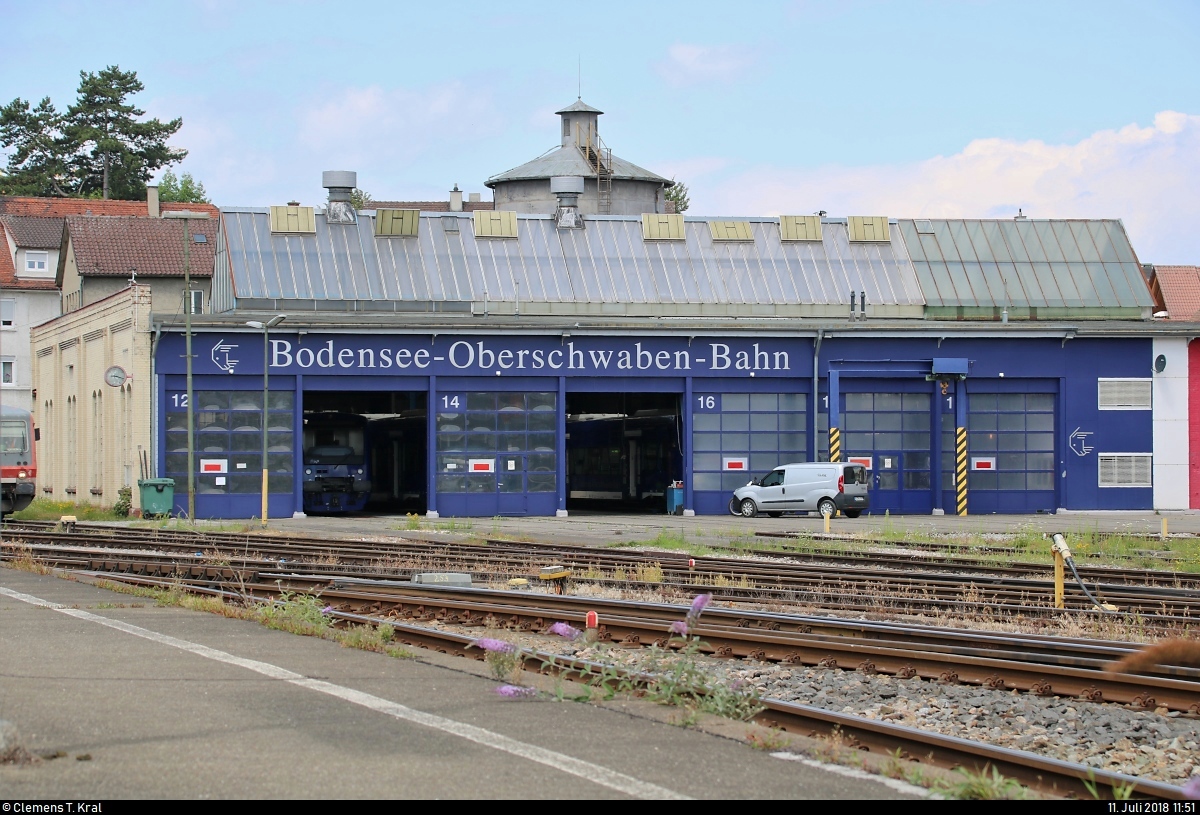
(496, 453)
(891, 433)
(1010, 452)
(739, 435)
(228, 452)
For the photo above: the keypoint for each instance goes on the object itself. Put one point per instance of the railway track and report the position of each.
(1047, 775)
(1164, 602)
(344, 575)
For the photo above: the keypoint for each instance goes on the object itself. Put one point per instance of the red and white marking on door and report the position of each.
(481, 465)
(730, 463)
(983, 463)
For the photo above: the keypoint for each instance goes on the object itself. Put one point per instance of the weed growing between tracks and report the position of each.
(294, 613)
(22, 558)
(982, 786)
(677, 678)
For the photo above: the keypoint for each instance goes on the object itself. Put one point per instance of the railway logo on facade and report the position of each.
(222, 356)
(1079, 443)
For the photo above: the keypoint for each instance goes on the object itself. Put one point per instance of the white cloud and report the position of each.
(689, 169)
(359, 126)
(1146, 176)
(688, 64)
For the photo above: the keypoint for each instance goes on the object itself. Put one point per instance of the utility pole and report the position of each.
(187, 215)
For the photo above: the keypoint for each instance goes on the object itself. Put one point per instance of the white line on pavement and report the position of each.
(573, 766)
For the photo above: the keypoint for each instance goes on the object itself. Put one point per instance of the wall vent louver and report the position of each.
(1126, 469)
(1124, 394)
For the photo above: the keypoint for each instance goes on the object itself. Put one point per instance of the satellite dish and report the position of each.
(1160, 363)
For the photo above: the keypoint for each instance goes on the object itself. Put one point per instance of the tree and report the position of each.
(184, 189)
(361, 199)
(99, 147)
(37, 164)
(115, 153)
(679, 194)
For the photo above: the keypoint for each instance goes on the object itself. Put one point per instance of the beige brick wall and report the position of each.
(92, 434)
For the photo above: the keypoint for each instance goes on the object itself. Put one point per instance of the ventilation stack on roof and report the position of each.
(614, 186)
(456, 199)
(567, 188)
(152, 201)
(341, 184)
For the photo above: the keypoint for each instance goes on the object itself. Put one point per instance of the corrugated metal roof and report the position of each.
(570, 161)
(605, 267)
(579, 106)
(1054, 268)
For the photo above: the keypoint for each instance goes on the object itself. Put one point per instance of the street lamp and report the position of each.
(266, 327)
(186, 215)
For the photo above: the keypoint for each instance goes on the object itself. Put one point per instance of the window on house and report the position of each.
(6, 371)
(36, 261)
(8, 312)
(195, 298)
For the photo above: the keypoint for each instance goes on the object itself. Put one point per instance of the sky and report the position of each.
(966, 109)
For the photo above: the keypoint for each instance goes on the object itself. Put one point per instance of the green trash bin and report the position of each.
(158, 496)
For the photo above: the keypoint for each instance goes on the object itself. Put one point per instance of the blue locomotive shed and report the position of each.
(531, 367)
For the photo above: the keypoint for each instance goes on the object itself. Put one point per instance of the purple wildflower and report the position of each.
(1192, 788)
(699, 604)
(490, 644)
(514, 691)
(679, 627)
(564, 630)
(327, 610)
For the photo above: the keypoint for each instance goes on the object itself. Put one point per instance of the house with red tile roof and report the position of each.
(103, 254)
(32, 234)
(62, 207)
(1180, 287)
(103, 267)
(28, 296)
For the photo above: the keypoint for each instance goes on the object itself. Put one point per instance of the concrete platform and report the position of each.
(147, 702)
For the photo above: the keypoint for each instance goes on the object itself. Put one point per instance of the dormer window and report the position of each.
(36, 262)
(566, 126)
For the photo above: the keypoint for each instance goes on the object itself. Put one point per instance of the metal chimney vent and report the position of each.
(340, 184)
(567, 188)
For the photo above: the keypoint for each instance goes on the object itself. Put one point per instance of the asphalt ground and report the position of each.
(142, 702)
(594, 528)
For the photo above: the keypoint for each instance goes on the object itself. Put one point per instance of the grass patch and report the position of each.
(675, 541)
(23, 559)
(46, 509)
(295, 613)
(982, 786)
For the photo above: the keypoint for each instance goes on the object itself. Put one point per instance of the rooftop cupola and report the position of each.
(579, 117)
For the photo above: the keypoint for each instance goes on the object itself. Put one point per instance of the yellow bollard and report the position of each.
(1059, 575)
(826, 523)
(1061, 553)
(1164, 529)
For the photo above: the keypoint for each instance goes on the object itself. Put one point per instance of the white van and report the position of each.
(821, 487)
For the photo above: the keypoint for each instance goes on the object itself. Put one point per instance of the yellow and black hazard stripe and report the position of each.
(835, 444)
(960, 469)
